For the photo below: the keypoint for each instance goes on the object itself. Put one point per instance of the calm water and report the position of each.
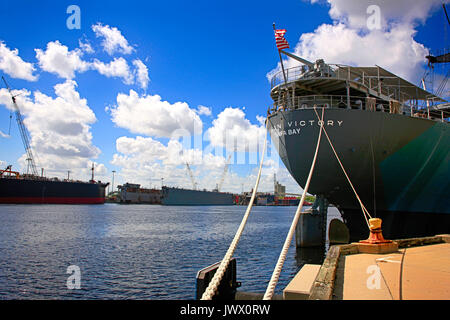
(138, 251)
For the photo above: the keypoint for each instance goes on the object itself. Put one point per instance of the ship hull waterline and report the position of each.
(24, 191)
(188, 197)
(398, 165)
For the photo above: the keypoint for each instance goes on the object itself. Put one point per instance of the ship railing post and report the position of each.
(293, 96)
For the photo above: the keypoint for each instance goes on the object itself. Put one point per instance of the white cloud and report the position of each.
(349, 41)
(395, 50)
(60, 128)
(232, 130)
(151, 116)
(150, 148)
(13, 65)
(143, 158)
(58, 59)
(4, 135)
(203, 110)
(85, 46)
(141, 72)
(113, 40)
(116, 68)
(354, 13)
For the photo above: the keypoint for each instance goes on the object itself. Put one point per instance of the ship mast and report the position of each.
(23, 133)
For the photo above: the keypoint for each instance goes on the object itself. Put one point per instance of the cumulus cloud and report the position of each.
(150, 115)
(141, 72)
(144, 157)
(203, 110)
(113, 40)
(13, 65)
(395, 49)
(60, 127)
(116, 68)
(232, 130)
(354, 13)
(58, 59)
(349, 40)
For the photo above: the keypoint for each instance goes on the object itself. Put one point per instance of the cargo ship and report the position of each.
(132, 193)
(34, 189)
(29, 189)
(189, 197)
(392, 138)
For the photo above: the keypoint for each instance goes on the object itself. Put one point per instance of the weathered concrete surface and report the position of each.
(416, 273)
(300, 286)
(419, 270)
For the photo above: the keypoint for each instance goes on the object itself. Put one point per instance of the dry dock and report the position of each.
(418, 270)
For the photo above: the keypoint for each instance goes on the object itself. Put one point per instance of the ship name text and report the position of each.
(295, 127)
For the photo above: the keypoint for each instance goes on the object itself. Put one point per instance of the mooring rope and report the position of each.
(276, 272)
(365, 211)
(215, 281)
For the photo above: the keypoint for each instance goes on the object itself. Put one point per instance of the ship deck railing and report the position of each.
(375, 80)
(438, 113)
(338, 72)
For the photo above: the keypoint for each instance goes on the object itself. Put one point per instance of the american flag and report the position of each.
(280, 40)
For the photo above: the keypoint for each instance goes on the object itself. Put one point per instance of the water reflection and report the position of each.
(138, 252)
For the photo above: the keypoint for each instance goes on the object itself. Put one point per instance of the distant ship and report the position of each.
(189, 197)
(133, 193)
(392, 137)
(35, 189)
(29, 189)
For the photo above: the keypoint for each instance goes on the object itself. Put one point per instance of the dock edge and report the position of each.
(323, 286)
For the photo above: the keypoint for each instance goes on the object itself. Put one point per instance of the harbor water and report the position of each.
(138, 251)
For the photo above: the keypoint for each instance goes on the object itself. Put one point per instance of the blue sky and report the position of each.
(215, 54)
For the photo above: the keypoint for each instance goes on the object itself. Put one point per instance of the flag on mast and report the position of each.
(280, 40)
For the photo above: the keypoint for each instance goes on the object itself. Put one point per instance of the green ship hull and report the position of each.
(399, 166)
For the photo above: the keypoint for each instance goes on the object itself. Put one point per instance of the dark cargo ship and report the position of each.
(34, 189)
(392, 137)
(27, 189)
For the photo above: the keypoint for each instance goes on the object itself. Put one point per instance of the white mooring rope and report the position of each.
(213, 285)
(363, 208)
(276, 272)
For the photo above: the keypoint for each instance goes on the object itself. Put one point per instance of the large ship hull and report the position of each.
(131, 193)
(29, 191)
(187, 197)
(398, 165)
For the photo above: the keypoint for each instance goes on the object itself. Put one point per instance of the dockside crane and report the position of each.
(23, 132)
(225, 170)
(192, 176)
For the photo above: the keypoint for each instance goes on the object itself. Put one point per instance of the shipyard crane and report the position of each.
(441, 59)
(192, 176)
(23, 132)
(222, 178)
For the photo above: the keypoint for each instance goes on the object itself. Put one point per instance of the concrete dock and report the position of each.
(418, 270)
